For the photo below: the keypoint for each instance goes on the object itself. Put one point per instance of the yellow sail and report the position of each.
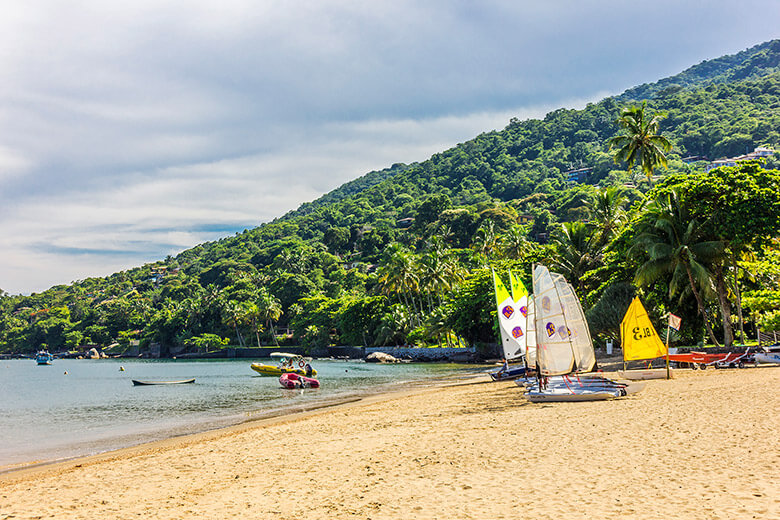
(638, 336)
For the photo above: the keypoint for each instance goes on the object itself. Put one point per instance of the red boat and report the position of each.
(291, 380)
(704, 359)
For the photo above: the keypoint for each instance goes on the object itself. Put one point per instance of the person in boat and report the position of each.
(308, 370)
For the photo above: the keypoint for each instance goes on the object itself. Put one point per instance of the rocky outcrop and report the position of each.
(380, 357)
(94, 354)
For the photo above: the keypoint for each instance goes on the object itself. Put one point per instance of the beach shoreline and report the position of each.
(256, 417)
(698, 446)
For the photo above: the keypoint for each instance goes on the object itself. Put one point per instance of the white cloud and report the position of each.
(129, 131)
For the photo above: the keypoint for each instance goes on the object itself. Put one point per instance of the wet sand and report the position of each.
(701, 446)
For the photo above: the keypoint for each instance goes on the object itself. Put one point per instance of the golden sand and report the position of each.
(701, 446)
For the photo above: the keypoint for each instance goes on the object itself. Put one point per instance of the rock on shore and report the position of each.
(381, 357)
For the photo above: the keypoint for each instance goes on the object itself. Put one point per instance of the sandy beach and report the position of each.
(702, 446)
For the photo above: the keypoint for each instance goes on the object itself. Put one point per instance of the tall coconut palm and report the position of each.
(234, 314)
(609, 213)
(399, 276)
(577, 252)
(679, 253)
(485, 238)
(640, 143)
(432, 276)
(514, 243)
(270, 310)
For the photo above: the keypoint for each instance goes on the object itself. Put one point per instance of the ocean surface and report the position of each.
(77, 407)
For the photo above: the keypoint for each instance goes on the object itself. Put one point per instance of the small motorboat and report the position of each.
(43, 357)
(288, 364)
(147, 383)
(767, 357)
(508, 373)
(295, 381)
(702, 360)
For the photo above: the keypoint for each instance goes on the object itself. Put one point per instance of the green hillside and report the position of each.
(399, 255)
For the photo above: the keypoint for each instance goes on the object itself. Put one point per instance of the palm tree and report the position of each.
(270, 309)
(676, 246)
(609, 213)
(641, 143)
(514, 242)
(399, 276)
(395, 326)
(234, 314)
(485, 238)
(577, 252)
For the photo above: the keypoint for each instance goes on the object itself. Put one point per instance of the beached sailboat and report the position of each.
(563, 345)
(520, 292)
(512, 329)
(640, 341)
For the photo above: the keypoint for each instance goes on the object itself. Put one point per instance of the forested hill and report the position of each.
(735, 110)
(330, 247)
(757, 61)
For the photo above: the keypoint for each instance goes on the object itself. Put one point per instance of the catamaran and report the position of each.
(564, 349)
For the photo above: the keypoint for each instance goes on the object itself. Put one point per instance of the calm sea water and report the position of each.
(81, 407)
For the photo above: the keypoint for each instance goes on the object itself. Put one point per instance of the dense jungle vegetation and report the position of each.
(403, 255)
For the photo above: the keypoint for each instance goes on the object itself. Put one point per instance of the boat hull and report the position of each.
(149, 383)
(771, 357)
(296, 381)
(507, 375)
(44, 358)
(565, 395)
(704, 359)
(594, 388)
(643, 374)
(273, 370)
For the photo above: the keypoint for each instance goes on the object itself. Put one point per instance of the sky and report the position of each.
(130, 131)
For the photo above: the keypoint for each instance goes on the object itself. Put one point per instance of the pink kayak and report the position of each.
(291, 380)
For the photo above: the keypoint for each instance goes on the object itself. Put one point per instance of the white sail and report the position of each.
(509, 346)
(511, 322)
(530, 337)
(562, 336)
(581, 342)
(553, 352)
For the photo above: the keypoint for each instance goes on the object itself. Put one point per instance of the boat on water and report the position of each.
(43, 357)
(564, 348)
(291, 381)
(288, 364)
(149, 383)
